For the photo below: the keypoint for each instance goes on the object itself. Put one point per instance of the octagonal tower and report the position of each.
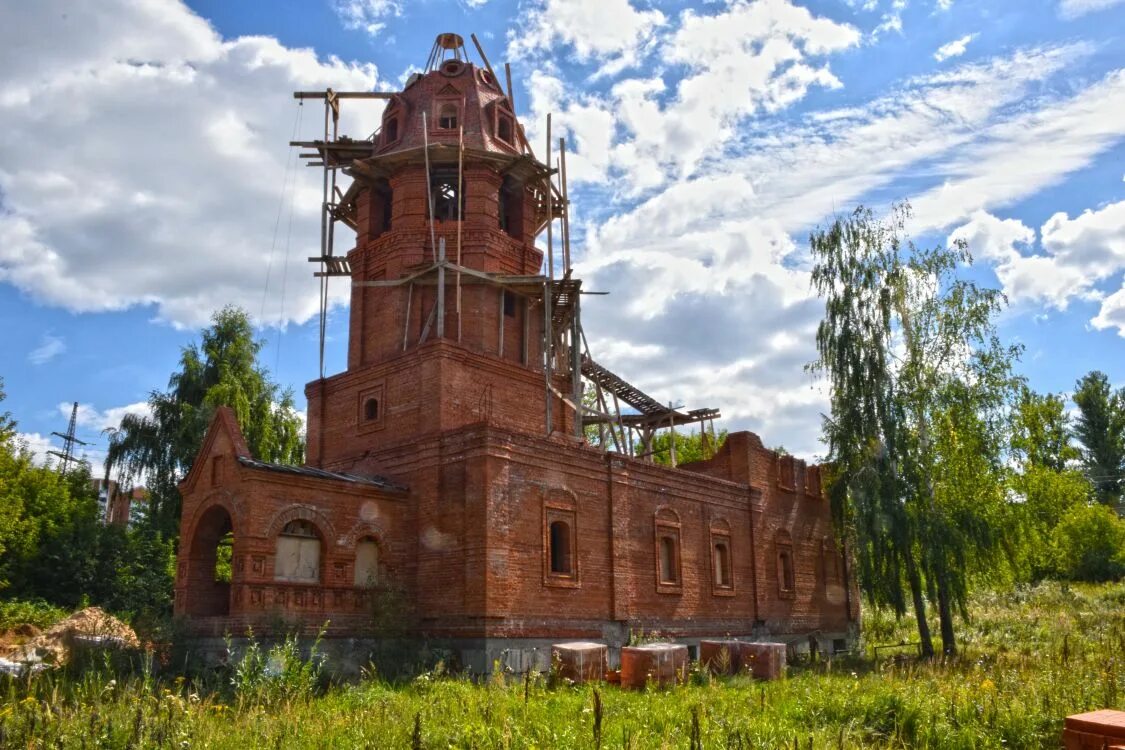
(450, 303)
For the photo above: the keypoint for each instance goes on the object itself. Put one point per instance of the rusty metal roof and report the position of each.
(314, 473)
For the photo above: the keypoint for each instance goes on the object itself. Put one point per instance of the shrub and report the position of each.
(1089, 544)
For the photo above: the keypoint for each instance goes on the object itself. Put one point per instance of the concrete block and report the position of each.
(580, 661)
(722, 656)
(658, 663)
(766, 661)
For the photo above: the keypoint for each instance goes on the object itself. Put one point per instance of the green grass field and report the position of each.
(1030, 658)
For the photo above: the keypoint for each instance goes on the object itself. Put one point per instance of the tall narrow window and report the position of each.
(669, 568)
(298, 553)
(509, 304)
(448, 200)
(510, 207)
(786, 559)
(366, 563)
(560, 548)
(390, 131)
(447, 117)
(371, 409)
(721, 564)
(388, 206)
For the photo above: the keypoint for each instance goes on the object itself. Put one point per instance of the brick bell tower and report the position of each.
(455, 319)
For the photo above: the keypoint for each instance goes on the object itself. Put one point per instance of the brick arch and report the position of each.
(666, 514)
(222, 498)
(560, 497)
(204, 595)
(362, 530)
(720, 525)
(300, 512)
(782, 537)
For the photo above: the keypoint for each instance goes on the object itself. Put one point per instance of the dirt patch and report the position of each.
(90, 627)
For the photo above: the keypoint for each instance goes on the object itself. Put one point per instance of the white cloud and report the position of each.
(1075, 8)
(144, 156)
(370, 15)
(1017, 156)
(1078, 254)
(94, 419)
(609, 32)
(705, 269)
(956, 48)
(37, 445)
(49, 348)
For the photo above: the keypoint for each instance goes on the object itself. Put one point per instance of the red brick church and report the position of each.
(450, 460)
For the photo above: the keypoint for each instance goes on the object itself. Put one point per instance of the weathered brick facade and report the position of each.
(489, 528)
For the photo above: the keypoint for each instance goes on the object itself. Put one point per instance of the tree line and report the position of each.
(54, 545)
(945, 470)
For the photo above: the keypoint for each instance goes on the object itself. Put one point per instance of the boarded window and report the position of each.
(560, 548)
(721, 563)
(298, 553)
(367, 563)
(669, 562)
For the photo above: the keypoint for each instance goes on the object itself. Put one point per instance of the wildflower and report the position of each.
(988, 685)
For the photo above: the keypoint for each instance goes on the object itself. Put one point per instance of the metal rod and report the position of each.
(429, 188)
(406, 323)
(460, 200)
(500, 347)
(345, 94)
(441, 289)
(550, 201)
(508, 79)
(566, 208)
(576, 366)
(547, 350)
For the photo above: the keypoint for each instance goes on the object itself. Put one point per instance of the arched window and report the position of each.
(371, 409)
(224, 557)
(298, 553)
(786, 572)
(447, 117)
(366, 563)
(721, 563)
(390, 131)
(560, 548)
(669, 562)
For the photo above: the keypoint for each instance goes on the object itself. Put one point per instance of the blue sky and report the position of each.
(145, 179)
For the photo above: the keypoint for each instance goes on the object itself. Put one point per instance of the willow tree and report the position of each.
(222, 370)
(918, 382)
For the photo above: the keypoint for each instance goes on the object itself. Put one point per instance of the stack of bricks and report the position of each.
(721, 657)
(1095, 730)
(580, 661)
(656, 663)
(766, 661)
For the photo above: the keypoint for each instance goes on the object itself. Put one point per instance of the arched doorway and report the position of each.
(209, 564)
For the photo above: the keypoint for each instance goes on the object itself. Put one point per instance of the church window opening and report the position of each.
(371, 409)
(721, 563)
(447, 117)
(504, 128)
(669, 562)
(509, 303)
(448, 200)
(390, 131)
(560, 548)
(510, 207)
(366, 563)
(298, 553)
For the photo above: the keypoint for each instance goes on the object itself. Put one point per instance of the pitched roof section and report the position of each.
(308, 471)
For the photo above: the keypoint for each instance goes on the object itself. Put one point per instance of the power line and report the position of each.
(66, 455)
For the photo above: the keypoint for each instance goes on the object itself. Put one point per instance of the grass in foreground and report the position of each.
(1030, 658)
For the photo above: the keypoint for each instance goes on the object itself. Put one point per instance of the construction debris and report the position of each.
(90, 628)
